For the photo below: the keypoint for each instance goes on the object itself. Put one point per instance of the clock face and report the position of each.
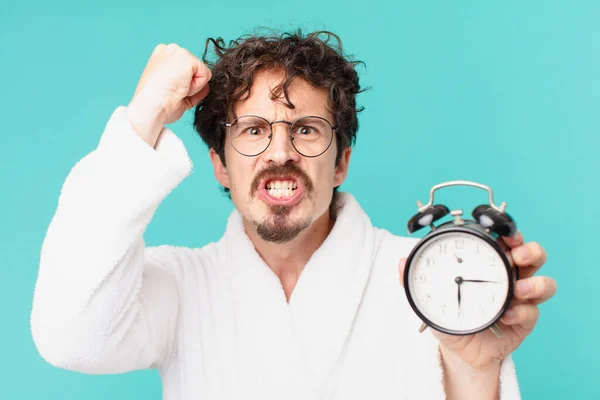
(458, 281)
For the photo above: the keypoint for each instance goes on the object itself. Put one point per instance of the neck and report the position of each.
(287, 260)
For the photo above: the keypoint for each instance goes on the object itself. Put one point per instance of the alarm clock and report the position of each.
(458, 279)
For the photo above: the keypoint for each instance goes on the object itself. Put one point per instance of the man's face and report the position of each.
(280, 192)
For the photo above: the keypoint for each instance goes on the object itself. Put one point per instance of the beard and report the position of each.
(279, 228)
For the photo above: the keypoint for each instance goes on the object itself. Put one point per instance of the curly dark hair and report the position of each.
(310, 57)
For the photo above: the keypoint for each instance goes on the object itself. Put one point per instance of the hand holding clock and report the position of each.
(483, 352)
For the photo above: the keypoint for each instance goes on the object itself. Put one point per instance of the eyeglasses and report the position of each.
(251, 135)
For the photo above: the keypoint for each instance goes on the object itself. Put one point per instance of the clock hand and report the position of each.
(458, 281)
(458, 259)
(477, 280)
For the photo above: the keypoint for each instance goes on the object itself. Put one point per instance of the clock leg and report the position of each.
(496, 331)
(423, 327)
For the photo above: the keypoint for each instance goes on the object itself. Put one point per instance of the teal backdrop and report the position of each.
(504, 93)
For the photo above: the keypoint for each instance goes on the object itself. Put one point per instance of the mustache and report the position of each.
(286, 170)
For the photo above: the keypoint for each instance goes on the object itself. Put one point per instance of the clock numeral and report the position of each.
(460, 244)
(493, 260)
(423, 278)
(461, 315)
(482, 309)
(428, 296)
(443, 248)
(493, 298)
(477, 248)
(430, 261)
(443, 308)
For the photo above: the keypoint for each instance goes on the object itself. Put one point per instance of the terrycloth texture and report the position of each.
(214, 320)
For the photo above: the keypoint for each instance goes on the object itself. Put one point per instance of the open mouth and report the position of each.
(281, 189)
(287, 191)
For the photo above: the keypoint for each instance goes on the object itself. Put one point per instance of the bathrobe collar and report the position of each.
(297, 346)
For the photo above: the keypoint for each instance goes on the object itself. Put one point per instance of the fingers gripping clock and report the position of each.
(458, 279)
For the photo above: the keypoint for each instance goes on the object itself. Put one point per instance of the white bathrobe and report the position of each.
(214, 320)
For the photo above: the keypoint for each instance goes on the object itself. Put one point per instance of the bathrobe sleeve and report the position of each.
(103, 302)
(509, 385)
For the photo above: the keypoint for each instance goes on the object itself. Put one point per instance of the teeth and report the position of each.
(279, 189)
(283, 185)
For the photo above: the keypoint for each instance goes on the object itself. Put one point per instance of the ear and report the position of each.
(341, 170)
(219, 169)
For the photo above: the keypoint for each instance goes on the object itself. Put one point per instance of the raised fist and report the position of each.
(173, 81)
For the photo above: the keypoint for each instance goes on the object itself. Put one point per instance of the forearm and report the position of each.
(147, 117)
(465, 383)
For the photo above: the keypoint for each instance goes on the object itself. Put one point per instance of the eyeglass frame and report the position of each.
(333, 131)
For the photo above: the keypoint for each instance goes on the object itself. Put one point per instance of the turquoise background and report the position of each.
(505, 93)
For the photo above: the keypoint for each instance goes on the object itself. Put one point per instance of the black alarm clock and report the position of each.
(457, 278)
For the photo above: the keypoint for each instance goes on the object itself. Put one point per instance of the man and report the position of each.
(301, 298)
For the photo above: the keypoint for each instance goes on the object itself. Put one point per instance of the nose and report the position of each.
(281, 150)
